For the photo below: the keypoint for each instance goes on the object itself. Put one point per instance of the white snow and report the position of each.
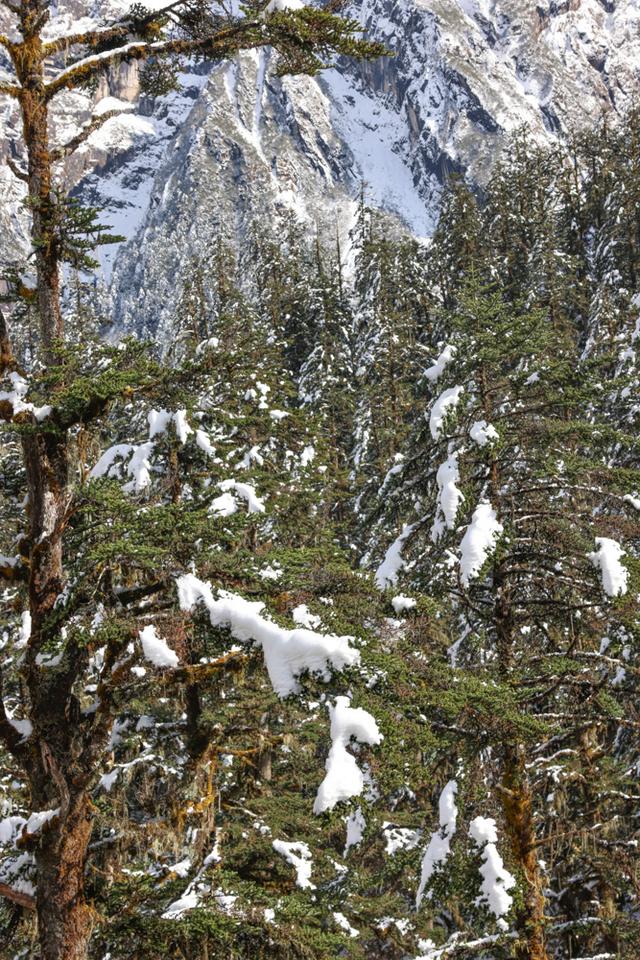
(304, 618)
(276, 5)
(287, 653)
(483, 830)
(299, 856)
(156, 649)
(37, 820)
(607, 559)
(443, 406)
(496, 881)
(24, 726)
(439, 846)
(25, 630)
(307, 456)
(399, 838)
(121, 132)
(14, 828)
(251, 456)
(134, 458)
(449, 496)
(344, 924)
(182, 868)
(107, 780)
(478, 542)
(109, 104)
(374, 132)
(344, 779)
(159, 421)
(483, 433)
(435, 371)
(400, 604)
(16, 398)
(387, 572)
(356, 825)
(188, 901)
(246, 492)
(204, 443)
(224, 506)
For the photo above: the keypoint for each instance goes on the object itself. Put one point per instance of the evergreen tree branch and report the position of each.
(120, 29)
(16, 171)
(14, 572)
(223, 44)
(59, 153)
(90, 38)
(17, 896)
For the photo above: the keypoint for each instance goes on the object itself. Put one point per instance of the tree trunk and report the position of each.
(55, 767)
(64, 918)
(517, 804)
(35, 109)
(517, 801)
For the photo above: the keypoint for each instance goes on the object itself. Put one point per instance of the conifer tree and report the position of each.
(388, 316)
(60, 748)
(514, 512)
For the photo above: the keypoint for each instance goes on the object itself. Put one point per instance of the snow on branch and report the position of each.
(479, 541)
(344, 779)
(12, 401)
(21, 897)
(437, 368)
(449, 496)
(607, 559)
(226, 41)
(287, 653)
(445, 404)
(96, 34)
(439, 846)
(388, 571)
(87, 38)
(299, 856)
(496, 881)
(156, 650)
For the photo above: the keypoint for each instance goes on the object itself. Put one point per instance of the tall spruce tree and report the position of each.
(515, 514)
(60, 752)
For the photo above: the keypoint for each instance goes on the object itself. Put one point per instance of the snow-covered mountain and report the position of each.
(238, 143)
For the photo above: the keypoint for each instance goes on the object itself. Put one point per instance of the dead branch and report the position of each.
(17, 896)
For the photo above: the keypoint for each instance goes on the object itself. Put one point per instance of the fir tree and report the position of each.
(518, 516)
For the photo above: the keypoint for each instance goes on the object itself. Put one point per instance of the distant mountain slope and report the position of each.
(238, 144)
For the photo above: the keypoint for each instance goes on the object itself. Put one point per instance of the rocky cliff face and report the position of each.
(237, 143)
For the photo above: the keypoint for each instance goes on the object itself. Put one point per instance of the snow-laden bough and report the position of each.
(439, 846)
(496, 880)
(607, 559)
(344, 779)
(479, 541)
(287, 653)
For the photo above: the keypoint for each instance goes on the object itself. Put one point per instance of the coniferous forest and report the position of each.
(320, 618)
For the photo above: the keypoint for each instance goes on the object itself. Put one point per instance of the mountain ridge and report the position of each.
(237, 144)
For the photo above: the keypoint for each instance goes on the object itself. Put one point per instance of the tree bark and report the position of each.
(516, 797)
(517, 804)
(55, 765)
(35, 121)
(64, 918)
